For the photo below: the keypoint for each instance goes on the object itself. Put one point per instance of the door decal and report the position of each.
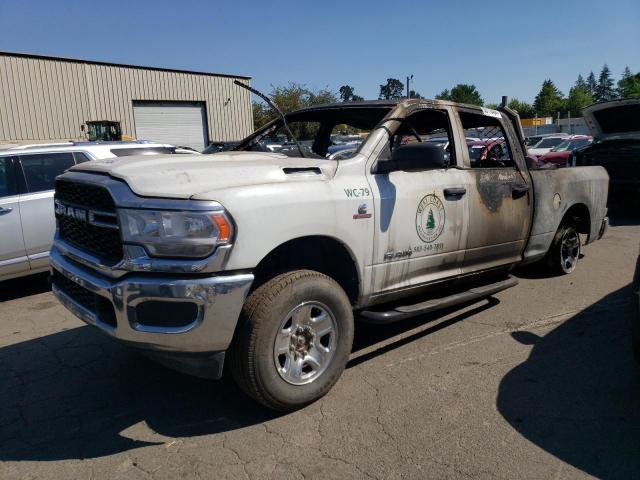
(430, 218)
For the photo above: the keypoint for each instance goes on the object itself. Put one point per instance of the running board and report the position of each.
(407, 311)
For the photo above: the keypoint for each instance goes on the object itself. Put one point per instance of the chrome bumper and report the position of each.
(219, 301)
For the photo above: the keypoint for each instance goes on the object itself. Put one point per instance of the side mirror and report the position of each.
(415, 156)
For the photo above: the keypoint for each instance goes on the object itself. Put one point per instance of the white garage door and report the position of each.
(178, 123)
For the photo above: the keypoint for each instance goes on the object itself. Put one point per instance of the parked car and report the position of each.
(546, 144)
(615, 127)
(27, 175)
(560, 154)
(533, 139)
(215, 147)
(263, 259)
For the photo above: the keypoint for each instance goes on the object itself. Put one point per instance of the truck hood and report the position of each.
(614, 120)
(188, 176)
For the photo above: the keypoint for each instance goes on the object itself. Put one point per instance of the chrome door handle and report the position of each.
(5, 210)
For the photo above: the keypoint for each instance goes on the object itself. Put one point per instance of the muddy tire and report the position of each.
(293, 340)
(564, 253)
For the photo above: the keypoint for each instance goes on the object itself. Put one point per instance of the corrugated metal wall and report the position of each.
(48, 99)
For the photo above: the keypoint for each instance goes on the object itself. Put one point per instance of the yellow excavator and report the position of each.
(104, 131)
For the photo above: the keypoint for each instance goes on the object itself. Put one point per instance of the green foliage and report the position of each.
(289, 98)
(604, 91)
(391, 90)
(549, 100)
(524, 109)
(462, 93)
(592, 84)
(629, 85)
(414, 94)
(579, 98)
(347, 94)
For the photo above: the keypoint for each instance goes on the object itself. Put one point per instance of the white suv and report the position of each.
(27, 177)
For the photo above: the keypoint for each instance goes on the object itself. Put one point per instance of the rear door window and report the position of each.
(7, 180)
(41, 169)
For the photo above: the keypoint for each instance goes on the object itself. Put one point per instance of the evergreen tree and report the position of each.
(431, 223)
(591, 83)
(580, 82)
(605, 90)
(579, 98)
(549, 100)
(629, 85)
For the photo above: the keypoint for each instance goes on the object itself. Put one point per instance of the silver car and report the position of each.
(27, 177)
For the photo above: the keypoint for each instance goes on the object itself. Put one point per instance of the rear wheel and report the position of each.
(565, 250)
(293, 340)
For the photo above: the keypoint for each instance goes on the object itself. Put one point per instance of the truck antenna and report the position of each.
(276, 109)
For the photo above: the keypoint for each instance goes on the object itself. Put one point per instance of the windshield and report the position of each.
(548, 142)
(313, 129)
(564, 146)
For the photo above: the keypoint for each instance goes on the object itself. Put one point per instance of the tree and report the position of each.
(629, 85)
(293, 96)
(524, 109)
(604, 89)
(579, 98)
(262, 114)
(392, 89)
(549, 100)
(462, 93)
(347, 94)
(592, 84)
(414, 94)
(431, 223)
(580, 82)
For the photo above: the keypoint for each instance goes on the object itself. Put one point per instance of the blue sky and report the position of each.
(503, 47)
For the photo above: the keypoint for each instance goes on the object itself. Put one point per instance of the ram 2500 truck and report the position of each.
(261, 260)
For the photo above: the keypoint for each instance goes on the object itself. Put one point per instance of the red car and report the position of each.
(487, 153)
(560, 154)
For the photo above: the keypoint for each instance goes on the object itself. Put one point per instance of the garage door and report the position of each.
(178, 123)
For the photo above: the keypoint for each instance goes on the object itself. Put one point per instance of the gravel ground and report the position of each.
(537, 382)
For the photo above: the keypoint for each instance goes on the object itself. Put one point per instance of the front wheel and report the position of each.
(293, 340)
(565, 250)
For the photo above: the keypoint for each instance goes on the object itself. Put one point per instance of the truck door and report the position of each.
(498, 188)
(13, 257)
(420, 233)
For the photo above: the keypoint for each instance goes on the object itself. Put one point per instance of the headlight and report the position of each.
(176, 233)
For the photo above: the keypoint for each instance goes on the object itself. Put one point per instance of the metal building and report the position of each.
(49, 98)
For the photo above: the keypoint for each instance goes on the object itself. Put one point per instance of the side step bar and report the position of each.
(407, 311)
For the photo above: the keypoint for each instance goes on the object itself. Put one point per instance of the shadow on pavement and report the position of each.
(70, 395)
(24, 286)
(577, 396)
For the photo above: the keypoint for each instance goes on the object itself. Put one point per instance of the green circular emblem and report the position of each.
(429, 218)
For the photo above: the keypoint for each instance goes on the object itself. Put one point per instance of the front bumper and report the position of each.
(111, 306)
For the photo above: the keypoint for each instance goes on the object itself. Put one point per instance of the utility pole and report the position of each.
(408, 90)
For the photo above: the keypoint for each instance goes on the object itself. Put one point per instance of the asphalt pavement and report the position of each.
(536, 382)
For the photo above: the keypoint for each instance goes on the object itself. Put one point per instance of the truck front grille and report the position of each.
(96, 231)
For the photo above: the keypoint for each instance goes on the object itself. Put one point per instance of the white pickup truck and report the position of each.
(265, 258)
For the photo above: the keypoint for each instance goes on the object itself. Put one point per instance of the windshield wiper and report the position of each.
(276, 109)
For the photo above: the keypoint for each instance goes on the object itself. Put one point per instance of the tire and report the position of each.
(281, 354)
(564, 253)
